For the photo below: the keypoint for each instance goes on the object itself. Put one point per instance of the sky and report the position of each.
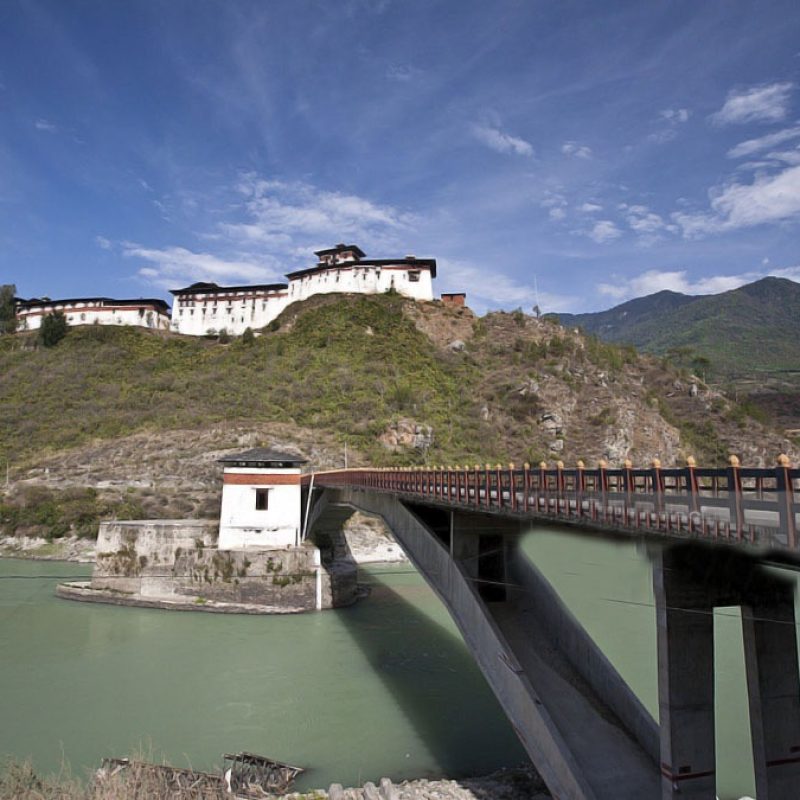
(571, 154)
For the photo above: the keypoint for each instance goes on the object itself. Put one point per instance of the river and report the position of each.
(385, 687)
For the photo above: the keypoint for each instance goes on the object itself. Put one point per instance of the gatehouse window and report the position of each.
(262, 499)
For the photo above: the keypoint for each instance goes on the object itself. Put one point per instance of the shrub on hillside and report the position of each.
(54, 329)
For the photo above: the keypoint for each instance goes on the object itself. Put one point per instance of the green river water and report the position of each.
(385, 687)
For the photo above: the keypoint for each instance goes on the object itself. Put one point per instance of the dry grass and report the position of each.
(19, 781)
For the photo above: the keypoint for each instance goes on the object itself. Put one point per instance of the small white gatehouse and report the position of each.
(261, 502)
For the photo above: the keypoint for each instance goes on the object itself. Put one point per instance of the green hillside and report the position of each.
(127, 422)
(749, 331)
(358, 370)
(347, 367)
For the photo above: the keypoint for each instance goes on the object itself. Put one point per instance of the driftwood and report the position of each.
(250, 775)
(245, 775)
(164, 778)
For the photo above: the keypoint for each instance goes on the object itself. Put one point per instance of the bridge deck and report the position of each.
(733, 506)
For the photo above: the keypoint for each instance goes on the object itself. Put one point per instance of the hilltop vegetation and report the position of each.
(140, 416)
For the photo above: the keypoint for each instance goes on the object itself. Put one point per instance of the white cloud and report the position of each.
(675, 114)
(767, 103)
(646, 223)
(502, 142)
(790, 157)
(590, 208)
(278, 213)
(44, 125)
(102, 242)
(170, 265)
(768, 199)
(557, 213)
(655, 280)
(747, 148)
(604, 231)
(500, 291)
(576, 150)
(270, 227)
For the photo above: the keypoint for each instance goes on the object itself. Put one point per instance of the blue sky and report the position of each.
(592, 151)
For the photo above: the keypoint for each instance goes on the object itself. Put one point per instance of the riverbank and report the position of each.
(18, 781)
(367, 541)
(68, 548)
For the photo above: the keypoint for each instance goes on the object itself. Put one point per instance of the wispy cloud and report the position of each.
(646, 223)
(747, 148)
(280, 213)
(675, 114)
(556, 204)
(44, 125)
(604, 231)
(576, 150)
(669, 120)
(102, 242)
(268, 227)
(766, 103)
(502, 142)
(403, 72)
(768, 199)
(170, 265)
(501, 291)
(655, 280)
(590, 208)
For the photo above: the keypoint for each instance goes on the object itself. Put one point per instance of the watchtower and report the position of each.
(261, 506)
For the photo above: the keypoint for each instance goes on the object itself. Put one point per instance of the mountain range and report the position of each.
(746, 333)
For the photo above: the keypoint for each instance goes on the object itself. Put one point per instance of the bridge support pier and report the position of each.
(689, 583)
(773, 679)
(685, 685)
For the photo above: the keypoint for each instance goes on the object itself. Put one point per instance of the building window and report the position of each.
(413, 276)
(262, 499)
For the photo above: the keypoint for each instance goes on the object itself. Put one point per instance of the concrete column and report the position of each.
(685, 684)
(773, 685)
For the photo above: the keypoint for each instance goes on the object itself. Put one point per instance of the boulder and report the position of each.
(407, 433)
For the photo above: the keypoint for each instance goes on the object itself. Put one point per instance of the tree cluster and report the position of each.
(8, 316)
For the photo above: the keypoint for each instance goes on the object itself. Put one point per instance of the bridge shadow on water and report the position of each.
(404, 632)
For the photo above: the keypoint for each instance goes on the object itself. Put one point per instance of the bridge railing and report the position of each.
(738, 504)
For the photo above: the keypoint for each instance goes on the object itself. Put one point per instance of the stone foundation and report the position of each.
(176, 563)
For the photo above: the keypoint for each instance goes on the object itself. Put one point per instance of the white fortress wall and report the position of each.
(364, 278)
(203, 312)
(89, 313)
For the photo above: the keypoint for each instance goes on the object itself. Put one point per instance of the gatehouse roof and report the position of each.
(262, 457)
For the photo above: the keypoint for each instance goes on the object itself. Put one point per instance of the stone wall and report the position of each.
(179, 559)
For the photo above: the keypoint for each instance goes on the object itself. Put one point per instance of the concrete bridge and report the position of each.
(715, 537)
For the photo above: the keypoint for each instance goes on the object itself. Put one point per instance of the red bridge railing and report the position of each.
(737, 504)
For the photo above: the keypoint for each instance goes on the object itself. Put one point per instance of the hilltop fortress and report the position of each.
(207, 308)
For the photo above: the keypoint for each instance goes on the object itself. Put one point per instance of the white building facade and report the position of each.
(143, 313)
(206, 308)
(261, 500)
